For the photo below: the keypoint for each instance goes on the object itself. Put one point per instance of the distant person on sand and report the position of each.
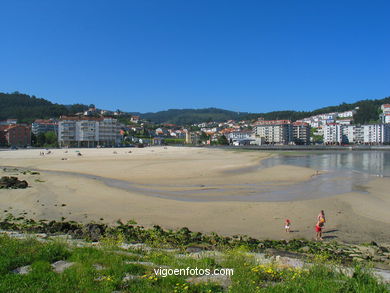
(321, 217)
(287, 225)
(319, 225)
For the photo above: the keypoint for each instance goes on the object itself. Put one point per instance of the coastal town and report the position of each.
(103, 128)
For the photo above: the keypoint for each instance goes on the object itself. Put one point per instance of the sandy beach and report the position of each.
(70, 186)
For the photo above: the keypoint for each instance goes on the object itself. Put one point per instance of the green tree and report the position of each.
(50, 138)
(222, 140)
(41, 139)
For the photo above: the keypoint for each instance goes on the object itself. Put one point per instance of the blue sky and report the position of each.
(145, 55)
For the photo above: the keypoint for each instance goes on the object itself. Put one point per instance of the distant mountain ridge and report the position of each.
(28, 108)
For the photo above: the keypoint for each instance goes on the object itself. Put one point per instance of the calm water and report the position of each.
(375, 163)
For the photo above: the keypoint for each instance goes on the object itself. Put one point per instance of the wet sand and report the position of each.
(352, 217)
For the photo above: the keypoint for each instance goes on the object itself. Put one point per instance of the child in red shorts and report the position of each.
(319, 226)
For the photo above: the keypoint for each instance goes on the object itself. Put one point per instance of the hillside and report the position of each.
(368, 111)
(28, 108)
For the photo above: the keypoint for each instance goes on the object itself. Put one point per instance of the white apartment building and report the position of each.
(352, 134)
(332, 134)
(355, 134)
(376, 133)
(346, 114)
(88, 132)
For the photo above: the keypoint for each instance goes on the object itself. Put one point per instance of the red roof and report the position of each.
(272, 122)
(77, 118)
(300, 123)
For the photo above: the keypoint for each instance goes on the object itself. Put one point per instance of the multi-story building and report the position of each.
(88, 132)
(192, 137)
(385, 116)
(301, 133)
(352, 134)
(376, 133)
(15, 135)
(43, 126)
(346, 114)
(274, 131)
(242, 137)
(332, 133)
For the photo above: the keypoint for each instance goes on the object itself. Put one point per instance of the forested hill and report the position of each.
(190, 116)
(27, 108)
(368, 112)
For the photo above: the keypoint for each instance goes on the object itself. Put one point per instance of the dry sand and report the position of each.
(352, 217)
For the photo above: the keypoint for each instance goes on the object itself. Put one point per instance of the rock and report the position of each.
(192, 249)
(98, 267)
(61, 265)
(94, 231)
(12, 182)
(143, 263)
(136, 246)
(129, 277)
(305, 249)
(357, 259)
(22, 270)
(368, 250)
(383, 275)
(222, 280)
(384, 249)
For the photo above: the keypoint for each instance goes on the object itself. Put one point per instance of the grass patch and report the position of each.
(103, 269)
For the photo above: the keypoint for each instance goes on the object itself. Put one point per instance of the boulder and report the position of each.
(61, 265)
(12, 182)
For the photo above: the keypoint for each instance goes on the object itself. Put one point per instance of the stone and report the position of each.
(129, 277)
(357, 259)
(22, 270)
(94, 231)
(98, 267)
(61, 265)
(12, 182)
(305, 249)
(192, 249)
(143, 263)
(383, 275)
(222, 280)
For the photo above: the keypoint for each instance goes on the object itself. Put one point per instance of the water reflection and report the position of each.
(371, 162)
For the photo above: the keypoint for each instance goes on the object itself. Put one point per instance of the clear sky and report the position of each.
(150, 55)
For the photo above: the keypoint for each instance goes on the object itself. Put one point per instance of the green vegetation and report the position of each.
(108, 268)
(174, 141)
(28, 108)
(48, 139)
(222, 140)
(316, 138)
